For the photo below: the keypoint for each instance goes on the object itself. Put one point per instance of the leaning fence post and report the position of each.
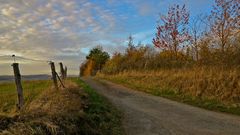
(60, 80)
(17, 76)
(54, 76)
(62, 71)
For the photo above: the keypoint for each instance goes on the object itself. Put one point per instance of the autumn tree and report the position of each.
(206, 56)
(172, 31)
(135, 55)
(225, 21)
(114, 65)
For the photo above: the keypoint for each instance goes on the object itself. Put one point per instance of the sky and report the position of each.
(65, 30)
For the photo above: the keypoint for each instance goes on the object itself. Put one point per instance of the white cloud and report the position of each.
(47, 29)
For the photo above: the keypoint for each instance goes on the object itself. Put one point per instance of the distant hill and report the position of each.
(7, 78)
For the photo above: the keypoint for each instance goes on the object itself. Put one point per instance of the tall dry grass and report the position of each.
(51, 112)
(212, 83)
(76, 109)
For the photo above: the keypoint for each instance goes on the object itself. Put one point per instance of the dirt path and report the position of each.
(150, 115)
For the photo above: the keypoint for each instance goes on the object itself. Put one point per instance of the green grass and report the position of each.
(103, 117)
(173, 94)
(8, 94)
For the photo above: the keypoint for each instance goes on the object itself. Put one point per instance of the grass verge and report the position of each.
(173, 85)
(103, 117)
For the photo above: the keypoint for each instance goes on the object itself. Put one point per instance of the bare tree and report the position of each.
(197, 31)
(225, 21)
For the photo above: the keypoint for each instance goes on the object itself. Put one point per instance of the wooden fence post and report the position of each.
(54, 75)
(62, 71)
(17, 76)
(65, 72)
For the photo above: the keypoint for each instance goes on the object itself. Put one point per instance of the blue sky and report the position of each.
(64, 30)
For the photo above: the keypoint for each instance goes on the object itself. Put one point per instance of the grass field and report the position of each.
(76, 109)
(214, 89)
(8, 94)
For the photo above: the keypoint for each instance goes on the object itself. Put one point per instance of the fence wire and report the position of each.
(28, 66)
(22, 58)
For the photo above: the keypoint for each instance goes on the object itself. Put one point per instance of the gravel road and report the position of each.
(145, 114)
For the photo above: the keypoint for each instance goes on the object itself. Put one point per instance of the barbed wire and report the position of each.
(5, 55)
(30, 59)
(30, 63)
(24, 58)
(15, 59)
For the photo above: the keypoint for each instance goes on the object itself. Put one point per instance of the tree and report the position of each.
(225, 21)
(131, 46)
(206, 53)
(114, 65)
(98, 56)
(173, 32)
(196, 32)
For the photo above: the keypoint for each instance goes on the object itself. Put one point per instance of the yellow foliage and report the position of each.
(89, 68)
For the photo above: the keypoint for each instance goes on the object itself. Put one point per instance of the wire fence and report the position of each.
(50, 65)
(28, 66)
(14, 58)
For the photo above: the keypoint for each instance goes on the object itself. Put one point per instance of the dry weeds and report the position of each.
(54, 112)
(209, 83)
